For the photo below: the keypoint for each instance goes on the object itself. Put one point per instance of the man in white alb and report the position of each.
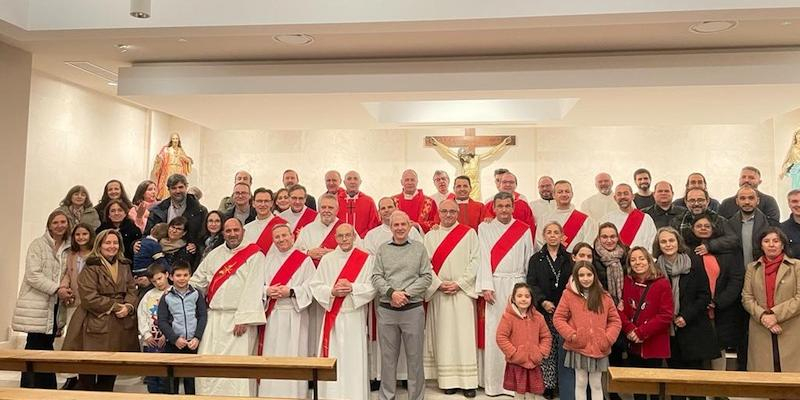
(298, 215)
(231, 277)
(342, 286)
(506, 247)
(288, 272)
(544, 204)
(635, 227)
(602, 202)
(576, 226)
(259, 230)
(450, 348)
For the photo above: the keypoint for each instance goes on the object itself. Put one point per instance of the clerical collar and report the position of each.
(410, 196)
(352, 196)
(299, 212)
(392, 243)
(465, 201)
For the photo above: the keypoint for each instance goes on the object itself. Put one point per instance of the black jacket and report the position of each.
(766, 204)
(730, 319)
(229, 213)
(663, 217)
(194, 213)
(130, 234)
(542, 280)
(760, 224)
(695, 341)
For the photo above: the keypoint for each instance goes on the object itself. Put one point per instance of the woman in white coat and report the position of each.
(36, 311)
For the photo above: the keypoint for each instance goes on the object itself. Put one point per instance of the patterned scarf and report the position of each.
(611, 260)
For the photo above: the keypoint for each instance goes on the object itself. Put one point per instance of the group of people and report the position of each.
(521, 298)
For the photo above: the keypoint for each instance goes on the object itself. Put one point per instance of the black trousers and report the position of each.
(96, 383)
(638, 362)
(188, 383)
(40, 341)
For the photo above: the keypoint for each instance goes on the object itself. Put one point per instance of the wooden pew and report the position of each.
(684, 382)
(44, 394)
(171, 365)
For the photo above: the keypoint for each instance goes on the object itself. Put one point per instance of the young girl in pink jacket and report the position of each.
(589, 323)
(523, 337)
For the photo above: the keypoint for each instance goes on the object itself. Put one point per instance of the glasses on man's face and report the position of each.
(240, 193)
(344, 235)
(695, 201)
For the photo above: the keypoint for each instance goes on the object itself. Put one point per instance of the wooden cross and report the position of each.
(469, 141)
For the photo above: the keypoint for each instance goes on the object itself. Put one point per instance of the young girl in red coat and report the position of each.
(589, 323)
(524, 338)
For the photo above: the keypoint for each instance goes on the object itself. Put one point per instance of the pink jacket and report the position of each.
(524, 339)
(588, 333)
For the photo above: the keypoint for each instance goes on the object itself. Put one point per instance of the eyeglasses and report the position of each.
(696, 201)
(176, 228)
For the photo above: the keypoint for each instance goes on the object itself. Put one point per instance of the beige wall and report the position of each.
(15, 81)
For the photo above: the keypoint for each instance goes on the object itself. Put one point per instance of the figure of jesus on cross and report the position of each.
(468, 161)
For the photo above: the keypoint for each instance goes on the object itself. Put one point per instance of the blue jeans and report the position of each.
(566, 376)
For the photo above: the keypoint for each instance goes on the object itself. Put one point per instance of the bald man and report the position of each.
(635, 227)
(356, 207)
(421, 209)
(602, 202)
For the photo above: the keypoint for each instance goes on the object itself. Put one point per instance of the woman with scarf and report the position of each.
(692, 339)
(548, 273)
(771, 295)
(725, 273)
(611, 253)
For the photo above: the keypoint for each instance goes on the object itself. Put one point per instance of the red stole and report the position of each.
(264, 240)
(573, 225)
(420, 209)
(308, 217)
(228, 269)
(504, 244)
(449, 243)
(330, 240)
(352, 267)
(631, 226)
(282, 277)
(522, 212)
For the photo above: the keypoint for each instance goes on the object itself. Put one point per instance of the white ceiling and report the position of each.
(432, 33)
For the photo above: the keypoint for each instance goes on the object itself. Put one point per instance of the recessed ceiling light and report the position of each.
(786, 23)
(713, 26)
(123, 48)
(182, 40)
(111, 83)
(294, 39)
(140, 9)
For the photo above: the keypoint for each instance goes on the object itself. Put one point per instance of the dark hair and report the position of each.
(169, 141)
(777, 231)
(110, 203)
(67, 201)
(469, 181)
(175, 179)
(594, 293)
(501, 171)
(668, 229)
(520, 285)
(123, 196)
(75, 247)
(264, 190)
(159, 230)
(561, 182)
(181, 264)
(205, 223)
(503, 196)
(611, 225)
(297, 187)
(641, 171)
(156, 268)
(179, 220)
(138, 195)
(582, 245)
(696, 173)
(275, 198)
(686, 194)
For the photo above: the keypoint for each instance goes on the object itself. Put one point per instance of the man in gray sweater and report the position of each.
(401, 275)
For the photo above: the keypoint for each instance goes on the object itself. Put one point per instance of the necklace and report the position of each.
(557, 274)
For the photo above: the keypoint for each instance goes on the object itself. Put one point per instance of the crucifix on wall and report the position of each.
(468, 161)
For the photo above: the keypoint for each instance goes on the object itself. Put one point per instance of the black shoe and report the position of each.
(549, 394)
(70, 384)
(470, 393)
(450, 391)
(374, 386)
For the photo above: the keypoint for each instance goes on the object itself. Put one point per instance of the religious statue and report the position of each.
(469, 161)
(170, 160)
(791, 165)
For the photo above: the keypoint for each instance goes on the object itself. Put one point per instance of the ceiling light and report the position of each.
(111, 83)
(123, 48)
(713, 26)
(140, 8)
(786, 23)
(294, 39)
(94, 69)
(182, 40)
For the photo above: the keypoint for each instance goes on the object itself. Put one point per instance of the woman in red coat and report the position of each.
(647, 313)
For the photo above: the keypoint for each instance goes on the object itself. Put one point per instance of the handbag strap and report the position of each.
(639, 305)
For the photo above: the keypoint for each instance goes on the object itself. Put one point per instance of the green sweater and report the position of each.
(405, 267)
